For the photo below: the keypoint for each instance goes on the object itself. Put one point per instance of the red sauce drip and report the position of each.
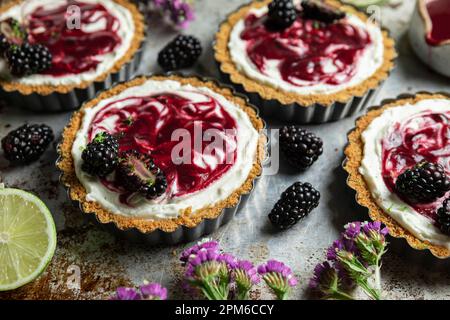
(74, 50)
(439, 12)
(422, 137)
(306, 49)
(146, 124)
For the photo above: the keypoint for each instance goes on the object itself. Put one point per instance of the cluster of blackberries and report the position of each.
(283, 13)
(301, 149)
(135, 172)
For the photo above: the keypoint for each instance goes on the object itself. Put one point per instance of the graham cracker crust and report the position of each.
(136, 42)
(227, 66)
(355, 153)
(187, 218)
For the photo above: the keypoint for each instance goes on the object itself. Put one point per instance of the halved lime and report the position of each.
(27, 238)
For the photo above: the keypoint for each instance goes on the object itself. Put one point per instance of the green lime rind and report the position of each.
(27, 198)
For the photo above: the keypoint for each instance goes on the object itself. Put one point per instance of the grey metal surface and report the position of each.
(105, 261)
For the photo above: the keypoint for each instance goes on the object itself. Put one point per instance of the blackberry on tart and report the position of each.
(137, 172)
(100, 157)
(425, 182)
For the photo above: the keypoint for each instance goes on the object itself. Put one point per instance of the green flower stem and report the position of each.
(339, 295)
(371, 292)
(211, 291)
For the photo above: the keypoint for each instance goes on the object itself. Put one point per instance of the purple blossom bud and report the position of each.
(153, 291)
(202, 256)
(124, 293)
(228, 259)
(324, 277)
(208, 245)
(352, 230)
(337, 246)
(278, 277)
(376, 226)
(250, 270)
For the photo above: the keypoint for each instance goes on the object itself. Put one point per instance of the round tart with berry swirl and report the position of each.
(161, 152)
(58, 53)
(398, 160)
(306, 61)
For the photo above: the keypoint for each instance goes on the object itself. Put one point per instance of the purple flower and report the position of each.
(228, 259)
(249, 270)
(342, 244)
(324, 276)
(352, 230)
(202, 256)
(181, 13)
(208, 245)
(245, 276)
(124, 293)
(370, 227)
(278, 277)
(153, 291)
(178, 12)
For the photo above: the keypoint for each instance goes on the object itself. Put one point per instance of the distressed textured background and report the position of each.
(105, 262)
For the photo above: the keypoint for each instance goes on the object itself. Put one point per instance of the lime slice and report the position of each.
(27, 238)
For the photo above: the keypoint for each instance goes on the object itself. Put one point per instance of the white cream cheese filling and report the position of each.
(247, 143)
(371, 168)
(370, 60)
(107, 61)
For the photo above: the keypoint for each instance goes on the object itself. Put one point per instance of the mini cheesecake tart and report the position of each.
(225, 140)
(89, 40)
(308, 64)
(386, 142)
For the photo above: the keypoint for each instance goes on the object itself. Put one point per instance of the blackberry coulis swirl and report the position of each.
(309, 51)
(147, 125)
(74, 50)
(423, 137)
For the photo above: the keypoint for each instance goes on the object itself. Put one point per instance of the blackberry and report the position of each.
(282, 14)
(295, 204)
(180, 53)
(100, 157)
(423, 183)
(27, 143)
(320, 11)
(28, 59)
(300, 147)
(443, 217)
(137, 172)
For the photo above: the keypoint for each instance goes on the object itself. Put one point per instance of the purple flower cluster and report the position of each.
(359, 247)
(178, 12)
(148, 291)
(278, 277)
(220, 276)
